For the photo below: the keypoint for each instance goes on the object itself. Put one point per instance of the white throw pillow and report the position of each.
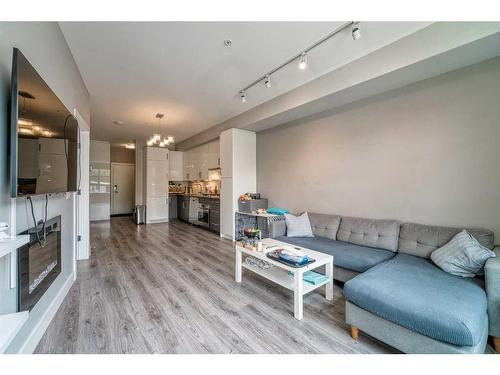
(462, 256)
(298, 226)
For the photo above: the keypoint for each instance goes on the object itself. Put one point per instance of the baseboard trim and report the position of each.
(35, 336)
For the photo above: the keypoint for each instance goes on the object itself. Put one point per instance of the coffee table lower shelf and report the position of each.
(281, 277)
(279, 273)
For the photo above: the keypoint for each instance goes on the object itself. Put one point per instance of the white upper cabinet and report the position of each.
(189, 165)
(156, 153)
(176, 165)
(199, 160)
(213, 159)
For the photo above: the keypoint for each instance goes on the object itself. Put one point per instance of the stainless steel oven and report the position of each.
(203, 215)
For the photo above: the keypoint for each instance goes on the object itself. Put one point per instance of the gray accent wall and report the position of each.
(428, 152)
(45, 47)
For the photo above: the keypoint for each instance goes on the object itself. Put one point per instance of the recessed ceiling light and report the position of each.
(228, 42)
(118, 122)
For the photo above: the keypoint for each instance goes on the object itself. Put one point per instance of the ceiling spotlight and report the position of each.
(243, 96)
(267, 82)
(303, 61)
(356, 33)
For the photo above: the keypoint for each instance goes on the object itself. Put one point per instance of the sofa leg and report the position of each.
(496, 344)
(354, 333)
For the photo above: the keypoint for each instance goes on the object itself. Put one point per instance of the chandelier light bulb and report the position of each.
(171, 139)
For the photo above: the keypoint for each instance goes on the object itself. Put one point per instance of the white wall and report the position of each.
(428, 153)
(100, 161)
(45, 47)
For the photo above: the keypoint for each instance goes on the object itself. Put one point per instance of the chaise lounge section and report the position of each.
(396, 294)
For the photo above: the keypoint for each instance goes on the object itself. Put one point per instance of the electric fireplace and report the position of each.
(39, 262)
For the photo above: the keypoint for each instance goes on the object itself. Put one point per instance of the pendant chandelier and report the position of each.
(157, 139)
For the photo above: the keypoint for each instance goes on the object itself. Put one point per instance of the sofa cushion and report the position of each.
(298, 226)
(414, 293)
(324, 225)
(353, 257)
(462, 256)
(421, 240)
(380, 234)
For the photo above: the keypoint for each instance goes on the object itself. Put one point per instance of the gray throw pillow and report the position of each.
(298, 226)
(462, 256)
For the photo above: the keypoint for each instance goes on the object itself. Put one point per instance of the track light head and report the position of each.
(267, 82)
(356, 33)
(243, 96)
(303, 61)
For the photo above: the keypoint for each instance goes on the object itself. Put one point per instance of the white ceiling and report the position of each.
(134, 70)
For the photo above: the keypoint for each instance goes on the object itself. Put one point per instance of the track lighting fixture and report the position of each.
(267, 82)
(301, 57)
(243, 96)
(356, 33)
(303, 61)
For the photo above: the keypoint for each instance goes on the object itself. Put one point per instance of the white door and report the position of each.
(122, 188)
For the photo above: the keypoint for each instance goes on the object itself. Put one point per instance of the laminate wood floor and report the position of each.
(169, 288)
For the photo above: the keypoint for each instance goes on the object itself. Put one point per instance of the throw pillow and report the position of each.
(462, 256)
(298, 226)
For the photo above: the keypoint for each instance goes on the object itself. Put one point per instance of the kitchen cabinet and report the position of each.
(176, 165)
(189, 161)
(172, 206)
(213, 154)
(199, 160)
(183, 208)
(156, 179)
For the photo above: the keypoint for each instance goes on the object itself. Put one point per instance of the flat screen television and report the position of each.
(43, 133)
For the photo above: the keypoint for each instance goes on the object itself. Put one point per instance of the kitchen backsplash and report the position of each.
(195, 187)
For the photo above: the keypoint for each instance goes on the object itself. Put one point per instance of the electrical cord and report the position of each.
(41, 242)
(34, 222)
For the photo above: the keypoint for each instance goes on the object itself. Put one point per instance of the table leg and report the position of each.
(298, 294)
(329, 284)
(238, 268)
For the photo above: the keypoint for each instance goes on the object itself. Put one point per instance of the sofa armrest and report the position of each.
(277, 228)
(492, 281)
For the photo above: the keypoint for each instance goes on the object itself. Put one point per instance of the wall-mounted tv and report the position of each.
(44, 135)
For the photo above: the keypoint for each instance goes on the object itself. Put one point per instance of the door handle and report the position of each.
(115, 188)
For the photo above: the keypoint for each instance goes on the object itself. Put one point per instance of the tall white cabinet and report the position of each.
(156, 178)
(238, 161)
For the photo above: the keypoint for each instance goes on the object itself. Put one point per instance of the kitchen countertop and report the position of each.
(197, 195)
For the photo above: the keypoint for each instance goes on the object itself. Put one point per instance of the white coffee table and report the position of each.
(279, 273)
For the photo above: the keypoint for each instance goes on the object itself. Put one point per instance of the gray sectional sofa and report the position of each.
(396, 294)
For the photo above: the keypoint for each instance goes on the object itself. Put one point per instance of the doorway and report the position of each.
(122, 188)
